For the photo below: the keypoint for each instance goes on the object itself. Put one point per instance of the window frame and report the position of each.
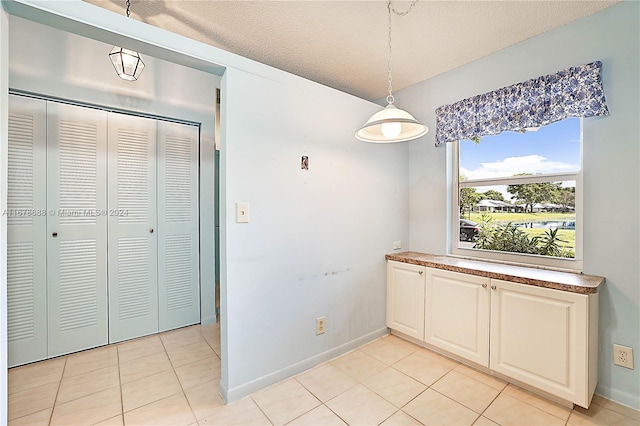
(523, 259)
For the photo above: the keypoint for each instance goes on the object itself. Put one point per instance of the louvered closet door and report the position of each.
(77, 233)
(178, 264)
(133, 293)
(26, 231)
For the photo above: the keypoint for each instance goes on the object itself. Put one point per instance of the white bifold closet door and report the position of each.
(26, 231)
(133, 245)
(76, 228)
(178, 242)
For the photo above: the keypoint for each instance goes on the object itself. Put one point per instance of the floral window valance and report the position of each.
(572, 92)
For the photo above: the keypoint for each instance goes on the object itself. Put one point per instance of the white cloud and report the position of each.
(510, 166)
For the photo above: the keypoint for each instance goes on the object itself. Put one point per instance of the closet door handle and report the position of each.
(151, 230)
(54, 234)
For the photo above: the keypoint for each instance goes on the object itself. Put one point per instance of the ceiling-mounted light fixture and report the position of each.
(392, 124)
(128, 63)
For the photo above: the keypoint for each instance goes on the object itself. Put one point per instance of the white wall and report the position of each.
(316, 241)
(4, 114)
(611, 152)
(51, 62)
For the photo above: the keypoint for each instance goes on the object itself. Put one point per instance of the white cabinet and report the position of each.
(537, 336)
(457, 314)
(541, 337)
(405, 298)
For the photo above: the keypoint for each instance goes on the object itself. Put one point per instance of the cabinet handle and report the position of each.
(54, 234)
(420, 272)
(151, 231)
(484, 285)
(493, 287)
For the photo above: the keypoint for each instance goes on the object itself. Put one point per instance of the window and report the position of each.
(517, 196)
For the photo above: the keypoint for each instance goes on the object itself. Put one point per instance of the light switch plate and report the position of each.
(242, 212)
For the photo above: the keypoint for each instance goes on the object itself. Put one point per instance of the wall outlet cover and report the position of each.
(320, 326)
(623, 356)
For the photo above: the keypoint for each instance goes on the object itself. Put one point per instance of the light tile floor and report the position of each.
(172, 379)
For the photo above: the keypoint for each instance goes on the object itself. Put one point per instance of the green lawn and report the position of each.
(522, 217)
(568, 235)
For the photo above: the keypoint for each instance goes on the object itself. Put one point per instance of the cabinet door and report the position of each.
(405, 298)
(77, 232)
(178, 237)
(539, 336)
(457, 314)
(26, 231)
(133, 250)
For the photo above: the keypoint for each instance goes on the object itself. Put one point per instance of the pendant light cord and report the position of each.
(390, 98)
(128, 8)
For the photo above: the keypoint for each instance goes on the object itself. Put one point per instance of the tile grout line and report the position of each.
(184, 393)
(64, 367)
(174, 372)
(261, 410)
(120, 383)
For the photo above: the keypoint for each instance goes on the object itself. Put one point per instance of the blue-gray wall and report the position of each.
(316, 239)
(611, 159)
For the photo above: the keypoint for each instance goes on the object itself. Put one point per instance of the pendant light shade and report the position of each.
(128, 63)
(391, 125)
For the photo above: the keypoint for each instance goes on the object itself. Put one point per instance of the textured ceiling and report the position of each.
(343, 44)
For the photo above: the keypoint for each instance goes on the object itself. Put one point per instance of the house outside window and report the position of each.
(517, 197)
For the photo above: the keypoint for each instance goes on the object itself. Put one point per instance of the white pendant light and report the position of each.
(127, 63)
(391, 124)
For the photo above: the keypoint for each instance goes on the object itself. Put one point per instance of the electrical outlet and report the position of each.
(320, 325)
(623, 356)
(397, 245)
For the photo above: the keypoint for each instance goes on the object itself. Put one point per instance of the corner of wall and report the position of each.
(4, 114)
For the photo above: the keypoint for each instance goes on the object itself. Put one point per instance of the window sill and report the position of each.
(504, 258)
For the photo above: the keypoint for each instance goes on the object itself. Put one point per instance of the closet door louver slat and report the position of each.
(178, 242)
(77, 252)
(133, 251)
(26, 231)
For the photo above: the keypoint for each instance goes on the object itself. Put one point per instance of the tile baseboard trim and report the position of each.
(238, 392)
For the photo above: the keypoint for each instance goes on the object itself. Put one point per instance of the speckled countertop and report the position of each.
(566, 281)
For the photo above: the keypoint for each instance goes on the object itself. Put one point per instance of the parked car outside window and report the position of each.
(468, 230)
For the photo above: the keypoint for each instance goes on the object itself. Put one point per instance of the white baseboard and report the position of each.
(234, 394)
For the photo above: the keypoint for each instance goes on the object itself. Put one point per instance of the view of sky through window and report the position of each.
(554, 148)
